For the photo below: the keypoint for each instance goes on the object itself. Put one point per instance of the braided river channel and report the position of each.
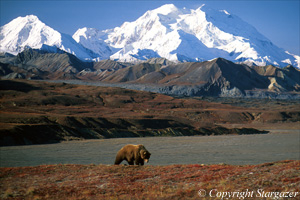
(233, 149)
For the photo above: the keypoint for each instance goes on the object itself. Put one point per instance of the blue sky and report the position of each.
(278, 20)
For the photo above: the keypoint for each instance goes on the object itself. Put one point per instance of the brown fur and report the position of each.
(133, 154)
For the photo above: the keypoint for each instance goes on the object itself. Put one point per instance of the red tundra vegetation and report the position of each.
(264, 181)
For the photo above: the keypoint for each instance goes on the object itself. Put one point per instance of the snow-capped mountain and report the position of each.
(29, 31)
(92, 39)
(167, 32)
(187, 35)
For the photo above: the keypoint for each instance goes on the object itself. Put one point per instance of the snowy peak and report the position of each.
(31, 19)
(26, 31)
(167, 32)
(164, 14)
(29, 31)
(165, 9)
(200, 34)
(27, 19)
(87, 33)
(93, 40)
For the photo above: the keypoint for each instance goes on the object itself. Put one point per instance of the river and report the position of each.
(233, 149)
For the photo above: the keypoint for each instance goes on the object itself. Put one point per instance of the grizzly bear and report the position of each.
(133, 154)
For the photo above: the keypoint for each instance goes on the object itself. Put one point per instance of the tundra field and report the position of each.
(276, 180)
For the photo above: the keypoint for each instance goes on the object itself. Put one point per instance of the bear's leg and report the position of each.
(119, 159)
(139, 162)
(142, 162)
(130, 162)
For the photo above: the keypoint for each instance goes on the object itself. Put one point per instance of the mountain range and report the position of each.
(217, 77)
(179, 35)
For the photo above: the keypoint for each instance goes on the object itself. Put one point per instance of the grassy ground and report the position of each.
(264, 181)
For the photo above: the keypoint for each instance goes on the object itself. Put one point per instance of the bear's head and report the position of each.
(145, 155)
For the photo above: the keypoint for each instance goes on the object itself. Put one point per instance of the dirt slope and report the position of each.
(51, 112)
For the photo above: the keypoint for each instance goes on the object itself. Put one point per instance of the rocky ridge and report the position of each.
(218, 77)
